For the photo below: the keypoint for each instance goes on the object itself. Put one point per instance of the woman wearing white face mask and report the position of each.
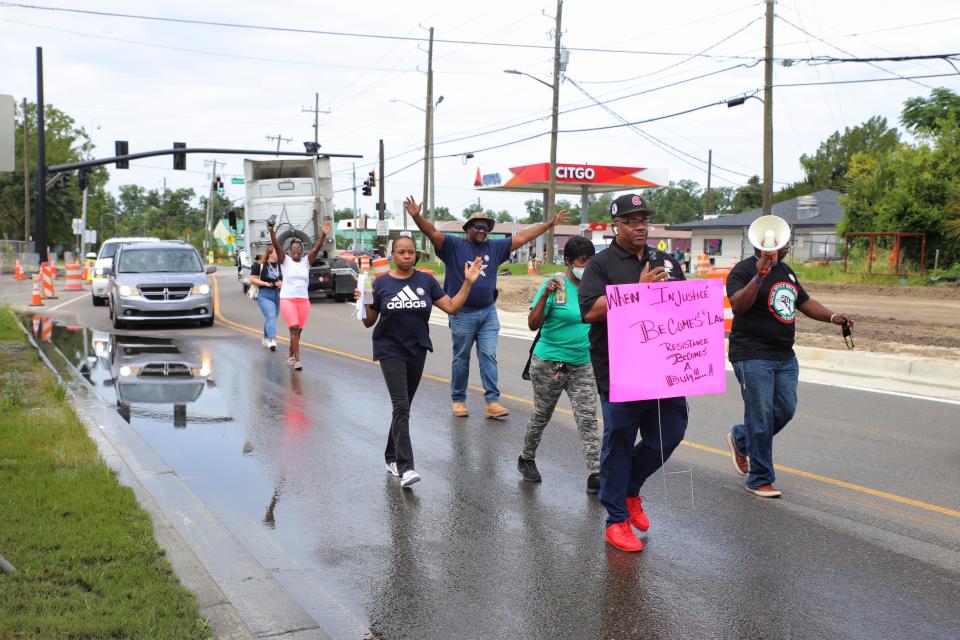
(560, 361)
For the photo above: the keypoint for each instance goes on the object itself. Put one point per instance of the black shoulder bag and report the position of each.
(526, 369)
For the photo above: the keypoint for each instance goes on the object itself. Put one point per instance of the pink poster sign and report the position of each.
(666, 339)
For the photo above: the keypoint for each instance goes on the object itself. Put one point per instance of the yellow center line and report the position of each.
(919, 504)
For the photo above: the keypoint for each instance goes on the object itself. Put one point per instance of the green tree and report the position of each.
(504, 216)
(65, 142)
(677, 202)
(915, 188)
(923, 116)
(441, 214)
(749, 196)
(534, 207)
(598, 207)
(343, 214)
(827, 168)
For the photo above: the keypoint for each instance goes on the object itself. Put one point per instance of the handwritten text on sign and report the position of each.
(666, 339)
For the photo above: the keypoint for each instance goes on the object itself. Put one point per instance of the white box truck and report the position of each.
(300, 193)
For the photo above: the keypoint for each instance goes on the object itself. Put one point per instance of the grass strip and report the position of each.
(88, 565)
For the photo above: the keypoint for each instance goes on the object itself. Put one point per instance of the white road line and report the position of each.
(63, 304)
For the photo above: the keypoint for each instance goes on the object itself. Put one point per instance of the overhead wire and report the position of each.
(377, 36)
(844, 51)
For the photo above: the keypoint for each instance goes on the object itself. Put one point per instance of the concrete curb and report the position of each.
(238, 596)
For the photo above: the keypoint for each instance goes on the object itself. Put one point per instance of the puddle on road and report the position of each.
(158, 380)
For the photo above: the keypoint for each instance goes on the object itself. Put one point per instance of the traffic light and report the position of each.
(180, 159)
(121, 148)
(373, 179)
(367, 190)
(218, 184)
(83, 178)
(61, 181)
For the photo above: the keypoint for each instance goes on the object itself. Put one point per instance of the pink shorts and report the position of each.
(295, 311)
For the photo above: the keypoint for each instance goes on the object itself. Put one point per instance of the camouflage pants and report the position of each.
(581, 388)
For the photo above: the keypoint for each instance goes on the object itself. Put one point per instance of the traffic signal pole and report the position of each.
(381, 205)
(41, 177)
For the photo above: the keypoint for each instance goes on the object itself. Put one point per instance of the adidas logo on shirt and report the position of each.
(406, 299)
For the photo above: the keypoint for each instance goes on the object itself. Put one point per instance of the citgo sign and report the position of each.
(575, 173)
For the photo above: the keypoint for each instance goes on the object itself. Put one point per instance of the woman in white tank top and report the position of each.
(294, 295)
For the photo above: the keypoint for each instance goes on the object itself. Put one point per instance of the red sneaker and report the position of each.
(637, 517)
(622, 537)
(766, 491)
(740, 462)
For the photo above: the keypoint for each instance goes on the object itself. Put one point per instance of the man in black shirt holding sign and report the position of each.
(625, 465)
(761, 351)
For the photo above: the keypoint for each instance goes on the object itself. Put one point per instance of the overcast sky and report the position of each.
(152, 83)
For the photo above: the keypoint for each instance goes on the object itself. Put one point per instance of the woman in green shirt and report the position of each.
(561, 362)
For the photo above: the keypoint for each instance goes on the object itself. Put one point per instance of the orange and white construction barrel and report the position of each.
(74, 277)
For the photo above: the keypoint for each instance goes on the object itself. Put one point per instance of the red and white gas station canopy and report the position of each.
(571, 178)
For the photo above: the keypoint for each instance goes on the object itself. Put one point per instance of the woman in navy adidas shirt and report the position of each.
(402, 300)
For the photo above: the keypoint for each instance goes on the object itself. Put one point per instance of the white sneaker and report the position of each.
(409, 477)
(392, 469)
(272, 343)
(264, 342)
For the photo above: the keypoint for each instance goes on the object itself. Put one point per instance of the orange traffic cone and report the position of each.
(18, 270)
(36, 302)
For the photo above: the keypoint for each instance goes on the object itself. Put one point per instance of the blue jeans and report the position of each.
(769, 391)
(480, 326)
(624, 464)
(269, 302)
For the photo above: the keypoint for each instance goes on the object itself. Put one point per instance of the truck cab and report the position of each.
(300, 193)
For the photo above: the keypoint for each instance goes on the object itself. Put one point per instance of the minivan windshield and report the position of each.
(160, 260)
(109, 250)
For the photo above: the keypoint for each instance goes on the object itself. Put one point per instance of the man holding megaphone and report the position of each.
(765, 294)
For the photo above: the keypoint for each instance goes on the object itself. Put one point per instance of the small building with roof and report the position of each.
(813, 221)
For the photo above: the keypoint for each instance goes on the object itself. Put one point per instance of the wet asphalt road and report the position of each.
(293, 465)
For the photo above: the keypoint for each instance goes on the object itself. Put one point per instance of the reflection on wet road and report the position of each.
(293, 464)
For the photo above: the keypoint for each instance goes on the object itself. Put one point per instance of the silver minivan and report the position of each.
(163, 280)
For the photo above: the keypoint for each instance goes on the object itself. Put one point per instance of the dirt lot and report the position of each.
(920, 321)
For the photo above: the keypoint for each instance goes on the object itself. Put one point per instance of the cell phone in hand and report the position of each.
(272, 220)
(658, 258)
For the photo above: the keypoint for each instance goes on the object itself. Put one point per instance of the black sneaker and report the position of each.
(593, 483)
(528, 469)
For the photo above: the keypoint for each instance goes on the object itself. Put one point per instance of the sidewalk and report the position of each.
(912, 375)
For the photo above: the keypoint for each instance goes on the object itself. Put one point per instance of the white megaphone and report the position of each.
(769, 234)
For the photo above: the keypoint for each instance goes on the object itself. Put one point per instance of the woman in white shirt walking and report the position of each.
(294, 298)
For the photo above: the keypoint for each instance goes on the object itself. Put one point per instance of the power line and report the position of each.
(844, 51)
(347, 34)
(899, 77)
(656, 141)
(676, 64)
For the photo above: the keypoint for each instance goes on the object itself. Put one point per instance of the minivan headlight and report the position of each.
(126, 291)
(98, 272)
(201, 289)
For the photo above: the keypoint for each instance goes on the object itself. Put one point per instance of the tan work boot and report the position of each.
(496, 410)
(460, 409)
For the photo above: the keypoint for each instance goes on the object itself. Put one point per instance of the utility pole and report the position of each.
(26, 178)
(550, 208)
(381, 205)
(41, 176)
(316, 111)
(356, 214)
(768, 114)
(709, 208)
(206, 229)
(427, 144)
(278, 138)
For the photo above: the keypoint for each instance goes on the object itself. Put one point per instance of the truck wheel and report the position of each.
(287, 237)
